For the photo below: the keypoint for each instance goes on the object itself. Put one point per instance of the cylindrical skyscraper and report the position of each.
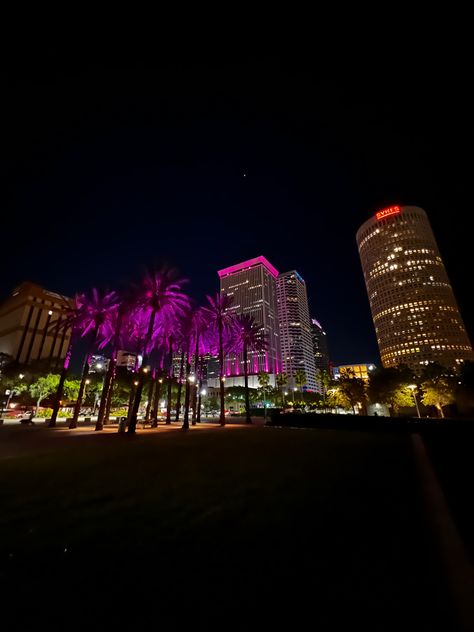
(415, 314)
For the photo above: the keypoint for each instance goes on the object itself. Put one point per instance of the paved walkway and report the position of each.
(264, 525)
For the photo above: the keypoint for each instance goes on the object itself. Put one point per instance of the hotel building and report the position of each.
(27, 325)
(414, 310)
(295, 329)
(252, 285)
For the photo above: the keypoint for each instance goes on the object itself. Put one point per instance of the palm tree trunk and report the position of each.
(131, 399)
(77, 407)
(221, 371)
(248, 420)
(198, 413)
(59, 390)
(110, 373)
(196, 383)
(99, 424)
(109, 399)
(180, 386)
(187, 395)
(156, 402)
(85, 373)
(141, 376)
(151, 388)
(170, 381)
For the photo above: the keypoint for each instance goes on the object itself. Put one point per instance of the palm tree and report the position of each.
(201, 346)
(115, 335)
(99, 310)
(88, 316)
(300, 380)
(160, 296)
(223, 325)
(263, 381)
(248, 337)
(281, 382)
(325, 379)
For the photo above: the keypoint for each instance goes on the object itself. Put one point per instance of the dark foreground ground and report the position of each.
(236, 528)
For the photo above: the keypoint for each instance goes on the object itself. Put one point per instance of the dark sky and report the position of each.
(109, 164)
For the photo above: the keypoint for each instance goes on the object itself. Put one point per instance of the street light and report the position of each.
(413, 387)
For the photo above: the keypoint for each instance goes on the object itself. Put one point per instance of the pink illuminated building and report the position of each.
(252, 285)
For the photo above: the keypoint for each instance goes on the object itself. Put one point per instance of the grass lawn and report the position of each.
(241, 528)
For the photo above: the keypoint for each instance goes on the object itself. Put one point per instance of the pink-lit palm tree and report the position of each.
(160, 298)
(222, 324)
(94, 315)
(201, 345)
(249, 336)
(88, 316)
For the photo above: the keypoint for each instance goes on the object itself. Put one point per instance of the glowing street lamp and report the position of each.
(413, 387)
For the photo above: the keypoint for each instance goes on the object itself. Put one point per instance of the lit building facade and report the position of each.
(27, 325)
(295, 329)
(320, 346)
(414, 310)
(361, 371)
(252, 286)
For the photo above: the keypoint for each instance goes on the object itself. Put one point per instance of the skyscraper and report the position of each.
(295, 328)
(414, 310)
(320, 346)
(252, 285)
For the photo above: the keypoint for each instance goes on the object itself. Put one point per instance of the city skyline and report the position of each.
(106, 171)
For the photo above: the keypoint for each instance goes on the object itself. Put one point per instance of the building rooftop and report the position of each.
(245, 265)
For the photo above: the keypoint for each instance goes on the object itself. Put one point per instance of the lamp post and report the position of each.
(294, 396)
(285, 394)
(413, 387)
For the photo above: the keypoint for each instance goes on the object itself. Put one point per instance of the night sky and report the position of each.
(110, 164)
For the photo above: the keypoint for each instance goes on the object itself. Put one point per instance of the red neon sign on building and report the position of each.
(391, 210)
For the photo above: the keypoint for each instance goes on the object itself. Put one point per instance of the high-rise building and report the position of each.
(414, 310)
(27, 325)
(320, 346)
(295, 329)
(252, 285)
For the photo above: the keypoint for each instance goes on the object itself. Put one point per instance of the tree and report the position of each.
(390, 386)
(90, 316)
(263, 382)
(281, 382)
(353, 389)
(71, 389)
(248, 337)
(43, 387)
(438, 386)
(222, 323)
(336, 398)
(211, 405)
(300, 380)
(161, 300)
(325, 379)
